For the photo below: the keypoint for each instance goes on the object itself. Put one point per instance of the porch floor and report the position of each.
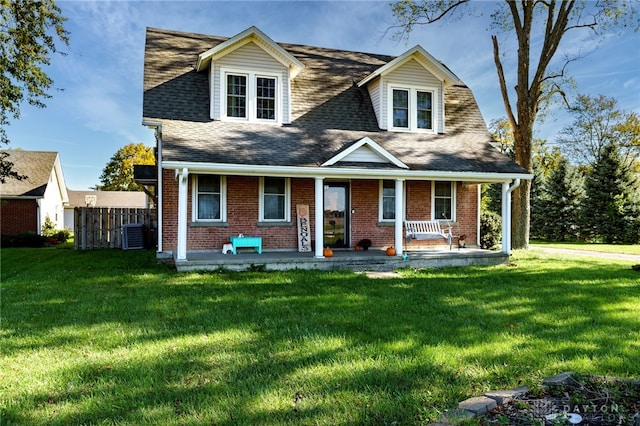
(370, 260)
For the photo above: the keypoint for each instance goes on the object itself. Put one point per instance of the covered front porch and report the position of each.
(370, 260)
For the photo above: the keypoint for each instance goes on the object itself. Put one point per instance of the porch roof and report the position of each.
(293, 146)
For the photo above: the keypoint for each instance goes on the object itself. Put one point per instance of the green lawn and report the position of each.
(598, 247)
(112, 337)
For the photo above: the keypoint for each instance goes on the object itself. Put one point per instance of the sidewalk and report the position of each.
(586, 253)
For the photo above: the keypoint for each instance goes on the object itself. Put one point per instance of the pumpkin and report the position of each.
(327, 252)
(357, 248)
(391, 251)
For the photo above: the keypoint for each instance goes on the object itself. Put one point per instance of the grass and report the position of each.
(112, 337)
(597, 247)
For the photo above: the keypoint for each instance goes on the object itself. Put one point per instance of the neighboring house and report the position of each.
(25, 204)
(247, 129)
(113, 199)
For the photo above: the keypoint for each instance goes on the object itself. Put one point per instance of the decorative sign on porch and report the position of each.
(304, 229)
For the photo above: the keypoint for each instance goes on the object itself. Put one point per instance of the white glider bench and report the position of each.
(427, 230)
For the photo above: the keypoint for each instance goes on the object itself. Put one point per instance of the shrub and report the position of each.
(490, 225)
(48, 228)
(62, 235)
(26, 239)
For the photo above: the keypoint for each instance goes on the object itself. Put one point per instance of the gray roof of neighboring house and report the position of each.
(36, 165)
(329, 113)
(124, 199)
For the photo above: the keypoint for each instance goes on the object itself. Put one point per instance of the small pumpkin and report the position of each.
(357, 248)
(391, 251)
(327, 252)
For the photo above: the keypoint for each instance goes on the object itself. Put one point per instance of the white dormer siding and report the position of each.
(415, 82)
(375, 91)
(252, 62)
(411, 77)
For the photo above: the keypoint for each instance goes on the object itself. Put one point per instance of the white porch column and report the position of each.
(319, 212)
(399, 238)
(183, 185)
(506, 218)
(507, 189)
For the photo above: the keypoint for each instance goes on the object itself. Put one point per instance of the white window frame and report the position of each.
(413, 108)
(453, 201)
(287, 201)
(194, 200)
(252, 95)
(381, 217)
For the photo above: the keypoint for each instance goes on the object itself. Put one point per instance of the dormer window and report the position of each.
(266, 98)
(236, 96)
(412, 109)
(424, 110)
(250, 96)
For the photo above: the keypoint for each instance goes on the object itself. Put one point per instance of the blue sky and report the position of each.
(97, 101)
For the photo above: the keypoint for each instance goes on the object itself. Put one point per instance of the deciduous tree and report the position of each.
(539, 26)
(118, 173)
(28, 34)
(597, 122)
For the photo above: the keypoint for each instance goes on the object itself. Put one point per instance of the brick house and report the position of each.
(248, 130)
(25, 204)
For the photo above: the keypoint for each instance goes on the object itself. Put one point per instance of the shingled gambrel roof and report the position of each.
(329, 111)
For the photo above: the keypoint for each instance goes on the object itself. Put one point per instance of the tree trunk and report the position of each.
(521, 198)
(520, 223)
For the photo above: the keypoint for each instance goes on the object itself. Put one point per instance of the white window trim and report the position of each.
(380, 198)
(287, 202)
(194, 200)
(252, 95)
(453, 202)
(413, 108)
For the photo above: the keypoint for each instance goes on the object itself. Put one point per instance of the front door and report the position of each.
(336, 214)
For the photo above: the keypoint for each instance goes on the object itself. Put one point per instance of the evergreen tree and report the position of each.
(559, 204)
(538, 215)
(611, 206)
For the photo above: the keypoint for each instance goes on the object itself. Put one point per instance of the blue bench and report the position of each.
(255, 242)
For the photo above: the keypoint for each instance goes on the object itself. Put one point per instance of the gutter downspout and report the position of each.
(507, 189)
(157, 126)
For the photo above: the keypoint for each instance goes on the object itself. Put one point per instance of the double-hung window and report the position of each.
(209, 198)
(250, 96)
(443, 200)
(388, 200)
(237, 96)
(275, 200)
(401, 108)
(424, 111)
(412, 109)
(266, 98)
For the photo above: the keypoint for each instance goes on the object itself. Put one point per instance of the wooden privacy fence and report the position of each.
(101, 227)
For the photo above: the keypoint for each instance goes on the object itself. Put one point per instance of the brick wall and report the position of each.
(18, 216)
(419, 208)
(242, 214)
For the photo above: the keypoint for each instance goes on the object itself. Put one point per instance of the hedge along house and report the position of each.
(248, 130)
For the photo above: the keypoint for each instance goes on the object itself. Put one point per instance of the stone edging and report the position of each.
(476, 406)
